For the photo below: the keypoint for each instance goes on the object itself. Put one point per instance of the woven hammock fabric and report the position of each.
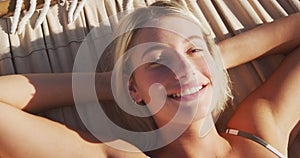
(52, 46)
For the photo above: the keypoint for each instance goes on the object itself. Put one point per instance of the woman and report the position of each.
(183, 62)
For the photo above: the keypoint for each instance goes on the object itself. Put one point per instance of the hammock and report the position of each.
(51, 47)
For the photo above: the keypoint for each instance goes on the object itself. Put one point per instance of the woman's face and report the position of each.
(174, 54)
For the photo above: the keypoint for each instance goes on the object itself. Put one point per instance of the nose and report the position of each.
(184, 68)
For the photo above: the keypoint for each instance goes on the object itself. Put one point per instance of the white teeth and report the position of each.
(187, 92)
(176, 95)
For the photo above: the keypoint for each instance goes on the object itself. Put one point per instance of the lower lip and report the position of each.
(191, 96)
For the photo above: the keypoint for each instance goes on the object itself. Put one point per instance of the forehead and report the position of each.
(167, 27)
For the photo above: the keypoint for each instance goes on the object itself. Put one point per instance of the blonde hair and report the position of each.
(126, 31)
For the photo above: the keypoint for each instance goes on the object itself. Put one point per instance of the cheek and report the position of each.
(205, 65)
(145, 79)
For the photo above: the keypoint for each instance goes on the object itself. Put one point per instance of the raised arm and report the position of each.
(272, 110)
(39, 92)
(26, 135)
(280, 36)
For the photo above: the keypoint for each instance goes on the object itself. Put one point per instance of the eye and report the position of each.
(155, 60)
(195, 50)
(159, 61)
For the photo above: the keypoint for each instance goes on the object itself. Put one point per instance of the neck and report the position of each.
(194, 142)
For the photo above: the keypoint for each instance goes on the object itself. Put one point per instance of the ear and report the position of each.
(133, 91)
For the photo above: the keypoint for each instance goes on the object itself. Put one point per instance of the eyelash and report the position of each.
(155, 61)
(196, 50)
(161, 58)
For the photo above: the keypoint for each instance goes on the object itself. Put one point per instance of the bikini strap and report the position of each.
(255, 139)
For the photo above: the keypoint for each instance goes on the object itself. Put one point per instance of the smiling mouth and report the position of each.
(187, 92)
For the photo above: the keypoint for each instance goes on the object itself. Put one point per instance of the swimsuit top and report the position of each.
(255, 139)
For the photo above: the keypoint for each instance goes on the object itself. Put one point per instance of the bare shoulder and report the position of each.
(255, 117)
(246, 148)
(272, 110)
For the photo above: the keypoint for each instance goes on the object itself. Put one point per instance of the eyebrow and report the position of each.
(156, 47)
(194, 37)
(161, 46)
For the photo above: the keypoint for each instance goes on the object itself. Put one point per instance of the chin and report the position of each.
(202, 114)
(190, 114)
